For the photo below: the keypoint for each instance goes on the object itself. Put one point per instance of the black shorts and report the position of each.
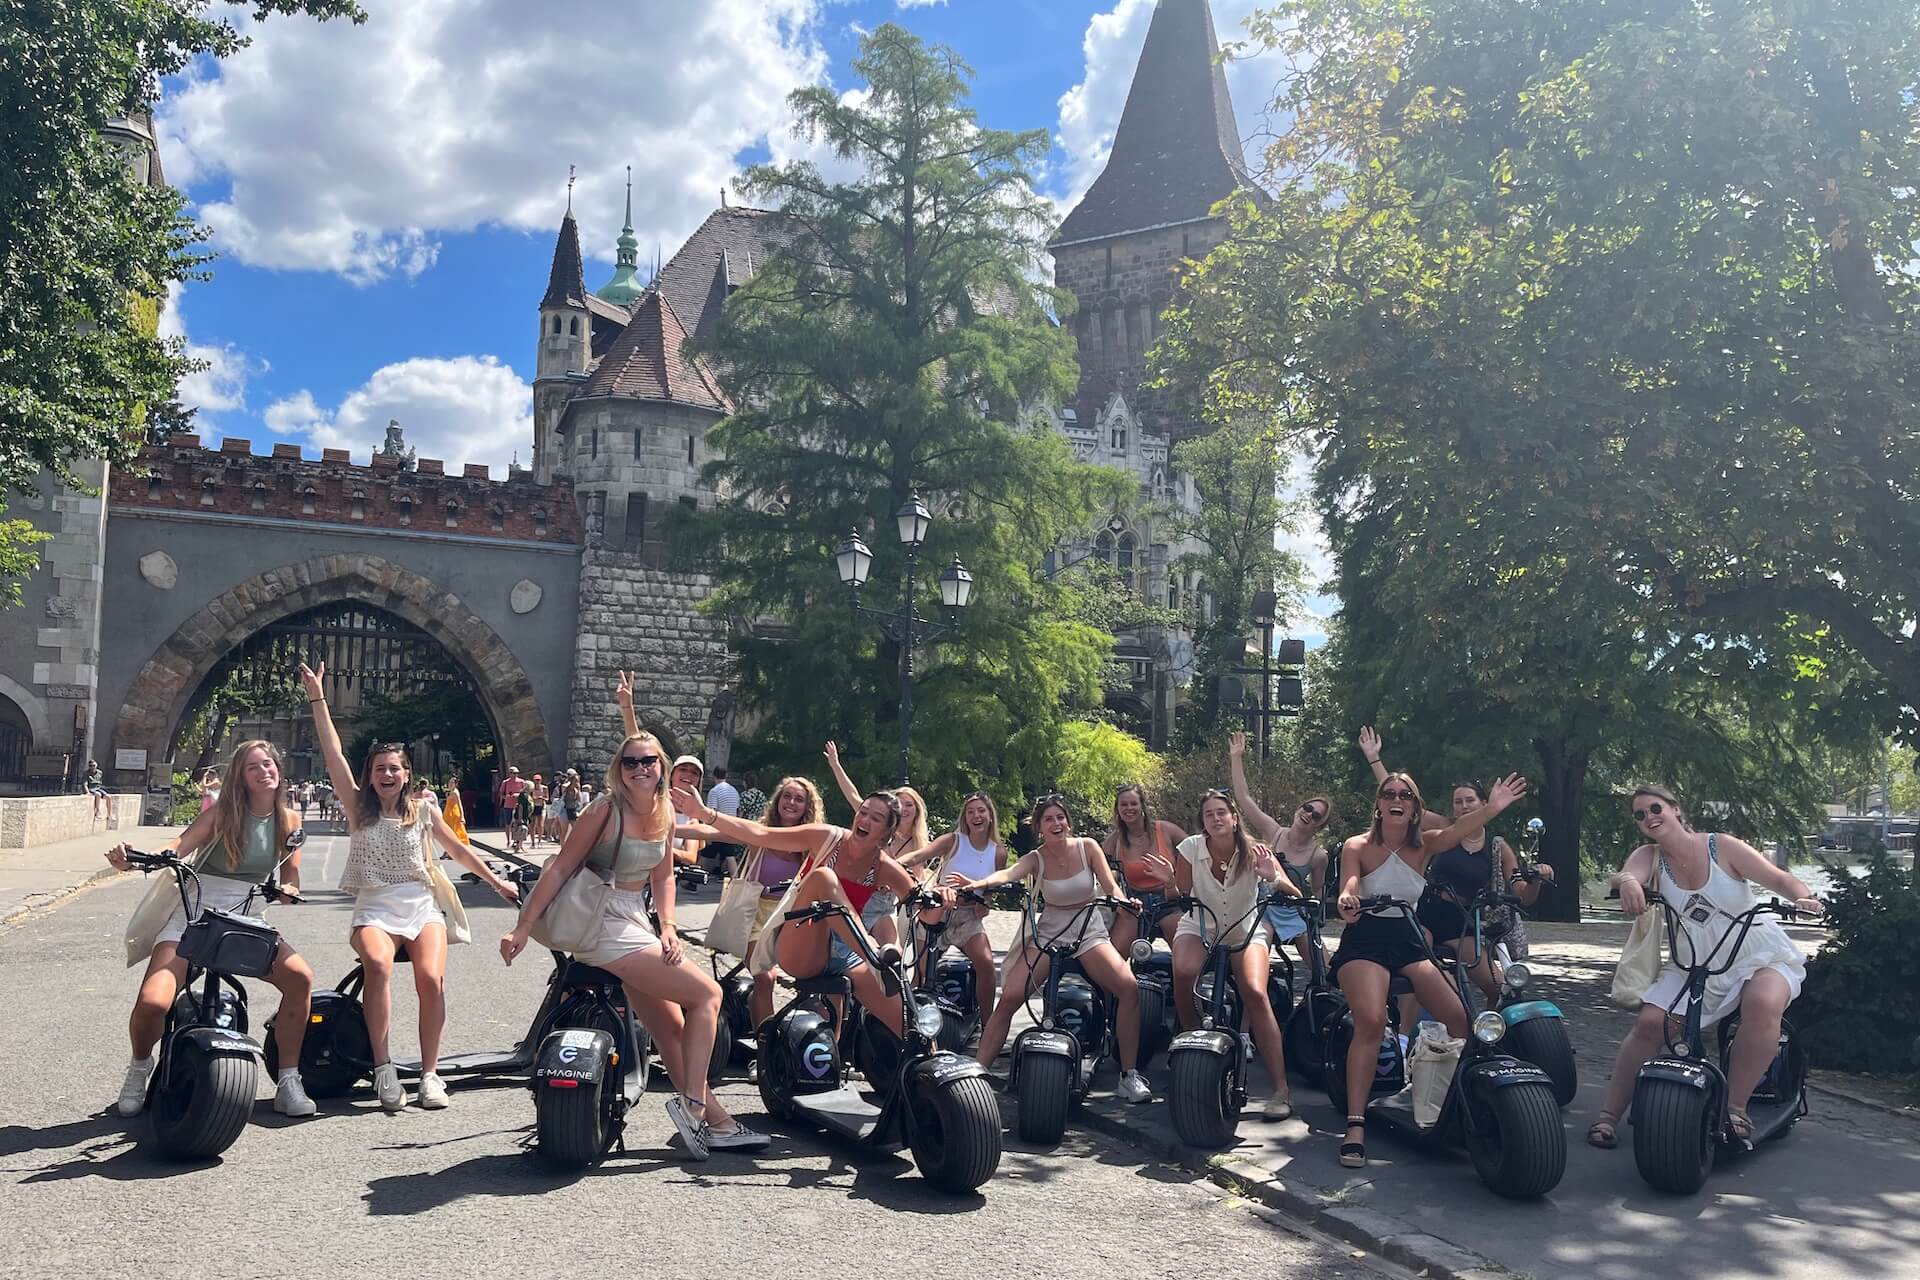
(1388, 941)
(1442, 917)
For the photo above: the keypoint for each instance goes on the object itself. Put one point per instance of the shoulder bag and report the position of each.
(571, 921)
(731, 929)
(445, 895)
(1639, 959)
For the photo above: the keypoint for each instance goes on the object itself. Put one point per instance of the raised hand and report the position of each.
(1509, 789)
(311, 679)
(688, 802)
(1237, 744)
(832, 752)
(623, 692)
(1369, 743)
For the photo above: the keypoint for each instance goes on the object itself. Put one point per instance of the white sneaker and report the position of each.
(133, 1090)
(1134, 1087)
(432, 1093)
(386, 1083)
(291, 1099)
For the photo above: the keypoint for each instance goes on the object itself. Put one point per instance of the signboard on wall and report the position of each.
(125, 759)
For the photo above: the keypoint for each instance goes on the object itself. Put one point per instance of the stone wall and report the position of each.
(29, 821)
(646, 620)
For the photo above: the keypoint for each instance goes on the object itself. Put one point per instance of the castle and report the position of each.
(543, 585)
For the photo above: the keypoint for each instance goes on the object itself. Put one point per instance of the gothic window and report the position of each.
(1125, 560)
(539, 522)
(1103, 547)
(573, 326)
(556, 324)
(307, 495)
(1119, 437)
(358, 509)
(453, 513)
(403, 503)
(259, 495)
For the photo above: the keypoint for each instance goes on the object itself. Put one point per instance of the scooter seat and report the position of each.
(1398, 985)
(824, 985)
(584, 974)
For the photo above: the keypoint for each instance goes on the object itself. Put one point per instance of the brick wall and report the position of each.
(232, 480)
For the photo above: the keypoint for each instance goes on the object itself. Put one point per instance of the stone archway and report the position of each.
(160, 694)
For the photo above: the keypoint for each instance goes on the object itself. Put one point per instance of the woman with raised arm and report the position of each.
(971, 851)
(1708, 880)
(390, 877)
(1069, 871)
(847, 866)
(1456, 875)
(1391, 860)
(233, 846)
(624, 836)
(909, 837)
(1224, 872)
(796, 803)
(1143, 845)
(1297, 844)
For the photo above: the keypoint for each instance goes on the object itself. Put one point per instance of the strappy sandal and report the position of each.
(1604, 1132)
(1354, 1154)
(1739, 1126)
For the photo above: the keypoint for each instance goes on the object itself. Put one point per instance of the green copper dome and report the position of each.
(625, 288)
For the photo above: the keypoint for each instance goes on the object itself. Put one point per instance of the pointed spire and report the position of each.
(625, 288)
(566, 282)
(1177, 149)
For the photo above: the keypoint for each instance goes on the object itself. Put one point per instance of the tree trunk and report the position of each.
(1561, 794)
(216, 730)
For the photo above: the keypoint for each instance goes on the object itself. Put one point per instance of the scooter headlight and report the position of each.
(1141, 951)
(927, 1018)
(1489, 1027)
(1519, 976)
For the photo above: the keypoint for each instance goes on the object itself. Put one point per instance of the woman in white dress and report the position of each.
(1707, 880)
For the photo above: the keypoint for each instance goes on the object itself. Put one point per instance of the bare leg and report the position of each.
(1189, 958)
(429, 954)
(1026, 971)
(1636, 1047)
(646, 974)
(1103, 964)
(375, 949)
(980, 952)
(1763, 1002)
(1439, 997)
(294, 978)
(165, 973)
(1250, 968)
(1365, 986)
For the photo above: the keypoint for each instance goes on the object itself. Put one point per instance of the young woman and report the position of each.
(848, 866)
(796, 803)
(1224, 872)
(1457, 874)
(1709, 879)
(1297, 844)
(1391, 859)
(539, 797)
(237, 842)
(1143, 845)
(909, 837)
(1070, 872)
(570, 806)
(625, 836)
(971, 851)
(389, 875)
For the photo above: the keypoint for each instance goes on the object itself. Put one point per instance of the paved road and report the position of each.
(454, 1191)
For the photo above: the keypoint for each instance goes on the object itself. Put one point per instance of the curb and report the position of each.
(1380, 1233)
(1910, 1111)
(54, 897)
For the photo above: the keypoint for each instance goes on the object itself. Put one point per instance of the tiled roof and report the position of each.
(741, 238)
(566, 282)
(649, 361)
(1177, 149)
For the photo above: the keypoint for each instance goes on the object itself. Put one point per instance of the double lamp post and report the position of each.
(905, 627)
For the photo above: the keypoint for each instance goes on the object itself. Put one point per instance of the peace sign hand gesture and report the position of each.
(311, 678)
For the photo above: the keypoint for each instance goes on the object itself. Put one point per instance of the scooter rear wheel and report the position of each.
(200, 1102)
(956, 1134)
(1544, 1043)
(1153, 1021)
(1673, 1144)
(1045, 1095)
(570, 1124)
(722, 1055)
(1201, 1096)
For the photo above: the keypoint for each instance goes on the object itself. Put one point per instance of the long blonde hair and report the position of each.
(661, 821)
(230, 812)
(919, 837)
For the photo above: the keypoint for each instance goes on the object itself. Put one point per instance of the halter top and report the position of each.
(857, 891)
(1395, 879)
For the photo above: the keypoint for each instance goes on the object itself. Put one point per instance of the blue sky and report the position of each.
(384, 198)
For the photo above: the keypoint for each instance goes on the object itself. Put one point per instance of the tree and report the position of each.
(891, 346)
(88, 253)
(1590, 313)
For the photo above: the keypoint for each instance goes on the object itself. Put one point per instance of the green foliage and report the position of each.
(186, 800)
(1092, 760)
(1861, 1002)
(18, 538)
(892, 346)
(448, 708)
(87, 253)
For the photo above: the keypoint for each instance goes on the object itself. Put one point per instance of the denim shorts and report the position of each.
(1286, 922)
(841, 959)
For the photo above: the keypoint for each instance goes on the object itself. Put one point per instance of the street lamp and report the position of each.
(854, 560)
(1285, 699)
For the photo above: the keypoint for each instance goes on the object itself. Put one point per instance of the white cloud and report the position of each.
(918, 4)
(464, 409)
(220, 387)
(789, 143)
(325, 146)
(1090, 111)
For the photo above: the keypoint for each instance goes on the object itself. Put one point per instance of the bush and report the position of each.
(186, 801)
(1861, 1003)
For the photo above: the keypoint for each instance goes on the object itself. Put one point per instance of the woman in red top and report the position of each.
(843, 865)
(1143, 845)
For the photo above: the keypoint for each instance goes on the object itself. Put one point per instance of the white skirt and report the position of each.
(403, 910)
(221, 893)
(624, 929)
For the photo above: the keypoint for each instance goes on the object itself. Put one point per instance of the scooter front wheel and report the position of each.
(1045, 1095)
(1520, 1150)
(1673, 1144)
(1205, 1113)
(956, 1134)
(1544, 1043)
(200, 1102)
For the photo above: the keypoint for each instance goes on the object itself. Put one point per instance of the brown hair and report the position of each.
(1413, 822)
(370, 799)
(656, 826)
(1045, 803)
(230, 812)
(1658, 793)
(1240, 852)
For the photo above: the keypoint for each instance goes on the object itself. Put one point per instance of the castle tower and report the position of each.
(1176, 152)
(625, 288)
(562, 346)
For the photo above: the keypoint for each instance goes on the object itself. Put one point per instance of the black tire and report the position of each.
(1153, 1022)
(200, 1102)
(773, 1094)
(1201, 1097)
(722, 1055)
(334, 1079)
(956, 1029)
(570, 1125)
(1303, 1048)
(1673, 1144)
(1045, 1094)
(1522, 1153)
(956, 1135)
(1544, 1043)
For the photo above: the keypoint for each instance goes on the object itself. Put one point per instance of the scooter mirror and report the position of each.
(1141, 950)
(296, 838)
(1535, 826)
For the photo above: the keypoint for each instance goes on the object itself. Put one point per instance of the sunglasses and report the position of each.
(1654, 809)
(1397, 793)
(1310, 813)
(640, 762)
(387, 748)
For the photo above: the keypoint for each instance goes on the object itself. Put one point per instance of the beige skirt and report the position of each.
(624, 929)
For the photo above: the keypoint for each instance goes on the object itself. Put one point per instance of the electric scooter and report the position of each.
(1310, 1029)
(202, 1088)
(1209, 1065)
(937, 1104)
(1055, 1060)
(1680, 1113)
(946, 981)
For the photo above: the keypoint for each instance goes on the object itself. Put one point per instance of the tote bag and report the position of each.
(731, 929)
(763, 949)
(1639, 959)
(571, 921)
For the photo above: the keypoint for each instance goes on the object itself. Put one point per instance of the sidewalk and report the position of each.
(35, 879)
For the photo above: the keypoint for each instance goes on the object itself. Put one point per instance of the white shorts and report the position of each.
(624, 929)
(1190, 927)
(222, 893)
(403, 910)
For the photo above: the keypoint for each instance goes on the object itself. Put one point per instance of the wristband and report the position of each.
(316, 702)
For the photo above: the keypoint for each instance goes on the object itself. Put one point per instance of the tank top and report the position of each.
(971, 862)
(1148, 872)
(384, 852)
(1395, 879)
(622, 856)
(1068, 891)
(774, 866)
(257, 853)
(1461, 870)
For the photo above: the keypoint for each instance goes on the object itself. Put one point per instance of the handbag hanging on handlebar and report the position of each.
(1639, 959)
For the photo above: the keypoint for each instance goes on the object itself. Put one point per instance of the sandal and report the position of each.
(1354, 1154)
(1739, 1126)
(1604, 1131)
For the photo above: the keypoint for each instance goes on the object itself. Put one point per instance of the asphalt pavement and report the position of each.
(456, 1189)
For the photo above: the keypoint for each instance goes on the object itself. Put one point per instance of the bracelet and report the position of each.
(1373, 759)
(316, 702)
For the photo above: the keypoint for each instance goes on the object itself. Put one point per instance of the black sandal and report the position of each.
(1354, 1154)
